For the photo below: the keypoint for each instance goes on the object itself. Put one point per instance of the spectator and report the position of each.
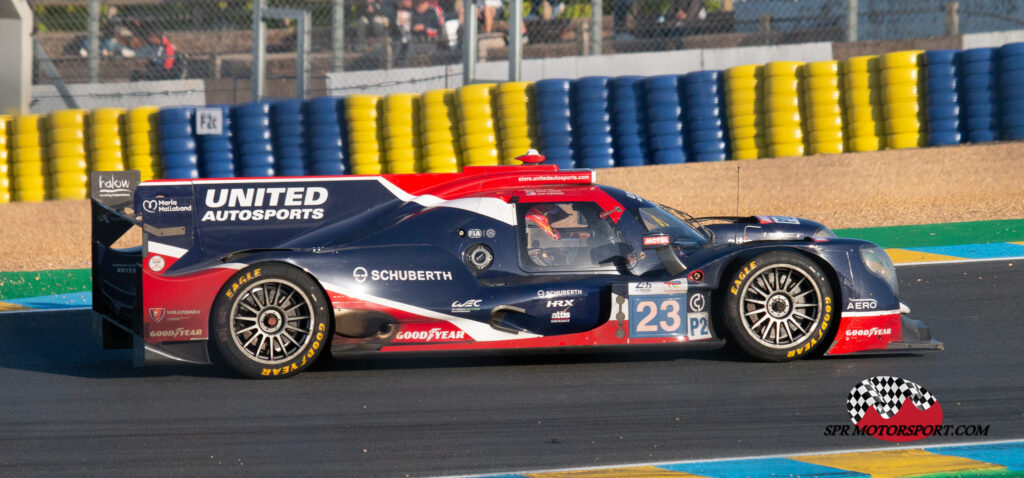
(621, 10)
(557, 7)
(453, 18)
(159, 50)
(488, 9)
(427, 19)
(377, 21)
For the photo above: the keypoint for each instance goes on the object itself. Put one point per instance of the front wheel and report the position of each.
(779, 306)
(270, 321)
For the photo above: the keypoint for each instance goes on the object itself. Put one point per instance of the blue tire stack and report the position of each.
(554, 122)
(704, 97)
(287, 128)
(980, 105)
(664, 119)
(592, 117)
(325, 135)
(628, 120)
(1011, 89)
(942, 97)
(217, 158)
(254, 151)
(178, 143)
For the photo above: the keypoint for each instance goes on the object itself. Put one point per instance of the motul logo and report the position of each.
(656, 241)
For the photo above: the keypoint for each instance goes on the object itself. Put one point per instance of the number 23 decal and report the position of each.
(669, 317)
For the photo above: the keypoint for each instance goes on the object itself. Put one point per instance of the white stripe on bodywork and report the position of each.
(166, 250)
(873, 313)
(230, 265)
(493, 208)
(478, 331)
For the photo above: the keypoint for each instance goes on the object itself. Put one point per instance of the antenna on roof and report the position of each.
(531, 157)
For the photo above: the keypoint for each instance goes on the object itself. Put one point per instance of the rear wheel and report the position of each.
(270, 321)
(779, 306)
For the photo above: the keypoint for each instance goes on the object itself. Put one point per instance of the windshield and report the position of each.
(664, 219)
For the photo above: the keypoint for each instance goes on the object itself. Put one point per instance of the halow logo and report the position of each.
(894, 409)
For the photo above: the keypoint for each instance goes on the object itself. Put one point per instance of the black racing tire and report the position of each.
(779, 306)
(270, 320)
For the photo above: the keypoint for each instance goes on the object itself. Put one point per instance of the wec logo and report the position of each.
(469, 303)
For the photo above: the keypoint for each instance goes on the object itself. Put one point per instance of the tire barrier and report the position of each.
(824, 108)
(862, 88)
(477, 130)
(627, 120)
(1011, 90)
(252, 135)
(216, 151)
(143, 142)
(325, 135)
(365, 151)
(744, 108)
(979, 106)
(514, 105)
(400, 117)
(439, 132)
(704, 119)
(554, 122)
(783, 81)
(897, 100)
(903, 91)
(941, 74)
(5, 159)
(178, 152)
(664, 108)
(28, 167)
(592, 128)
(288, 138)
(67, 164)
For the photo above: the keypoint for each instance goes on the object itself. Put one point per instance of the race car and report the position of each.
(267, 275)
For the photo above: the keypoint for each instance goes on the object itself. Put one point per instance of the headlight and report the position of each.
(878, 262)
(824, 232)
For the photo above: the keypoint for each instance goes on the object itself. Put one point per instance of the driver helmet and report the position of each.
(544, 215)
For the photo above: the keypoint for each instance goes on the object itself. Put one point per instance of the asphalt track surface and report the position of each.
(68, 408)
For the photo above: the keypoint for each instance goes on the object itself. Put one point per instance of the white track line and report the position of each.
(960, 261)
(751, 457)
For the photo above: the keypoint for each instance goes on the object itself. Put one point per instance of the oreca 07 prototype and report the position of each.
(268, 274)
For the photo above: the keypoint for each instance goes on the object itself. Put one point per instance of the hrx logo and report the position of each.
(561, 303)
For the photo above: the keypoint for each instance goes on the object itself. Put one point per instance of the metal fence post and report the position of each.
(94, 41)
(469, 43)
(851, 20)
(259, 40)
(338, 35)
(304, 36)
(953, 18)
(596, 23)
(515, 47)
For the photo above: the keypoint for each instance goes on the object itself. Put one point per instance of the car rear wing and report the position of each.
(116, 276)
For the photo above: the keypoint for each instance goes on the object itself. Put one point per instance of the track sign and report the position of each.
(209, 121)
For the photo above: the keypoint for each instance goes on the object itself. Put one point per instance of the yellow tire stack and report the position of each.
(69, 171)
(863, 99)
(364, 134)
(514, 104)
(903, 92)
(744, 93)
(824, 108)
(401, 113)
(5, 159)
(105, 142)
(143, 142)
(784, 108)
(476, 125)
(439, 131)
(31, 176)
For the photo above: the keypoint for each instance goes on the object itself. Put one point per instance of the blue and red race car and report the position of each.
(268, 274)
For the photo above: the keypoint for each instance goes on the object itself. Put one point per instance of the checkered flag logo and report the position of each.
(886, 394)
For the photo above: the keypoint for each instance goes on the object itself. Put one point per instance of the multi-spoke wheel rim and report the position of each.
(272, 321)
(780, 306)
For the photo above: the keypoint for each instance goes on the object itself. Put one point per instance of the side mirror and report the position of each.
(662, 244)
